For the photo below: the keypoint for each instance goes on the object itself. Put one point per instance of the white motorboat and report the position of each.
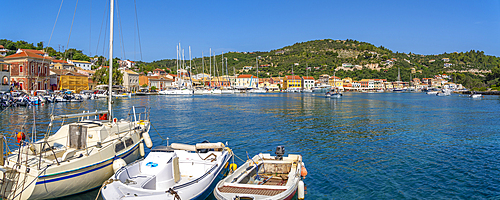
(432, 92)
(78, 157)
(178, 171)
(183, 91)
(198, 92)
(475, 95)
(257, 90)
(444, 92)
(265, 177)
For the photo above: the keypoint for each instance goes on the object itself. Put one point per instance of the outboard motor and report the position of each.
(280, 151)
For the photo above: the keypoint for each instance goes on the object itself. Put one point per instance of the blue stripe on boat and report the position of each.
(123, 155)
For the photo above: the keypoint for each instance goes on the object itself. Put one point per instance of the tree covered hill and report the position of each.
(324, 56)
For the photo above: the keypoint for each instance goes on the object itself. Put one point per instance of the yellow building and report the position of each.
(70, 80)
(292, 83)
(335, 82)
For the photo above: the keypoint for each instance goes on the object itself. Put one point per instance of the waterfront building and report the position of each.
(4, 74)
(61, 64)
(65, 79)
(82, 64)
(324, 79)
(29, 71)
(292, 82)
(246, 81)
(3, 51)
(335, 82)
(130, 80)
(307, 82)
(160, 82)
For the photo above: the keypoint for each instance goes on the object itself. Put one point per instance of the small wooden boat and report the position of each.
(178, 171)
(265, 177)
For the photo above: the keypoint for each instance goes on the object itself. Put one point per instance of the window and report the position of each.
(118, 147)
(21, 85)
(21, 68)
(129, 142)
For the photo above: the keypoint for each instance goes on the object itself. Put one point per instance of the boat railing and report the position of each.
(139, 113)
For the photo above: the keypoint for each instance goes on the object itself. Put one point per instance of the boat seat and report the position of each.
(142, 181)
(68, 154)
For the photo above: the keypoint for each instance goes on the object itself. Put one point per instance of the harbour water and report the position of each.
(361, 146)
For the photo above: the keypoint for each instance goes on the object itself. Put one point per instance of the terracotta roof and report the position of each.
(1, 46)
(157, 69)
(66, 72)
(308, 77)
(290, 77)
(245, 76)
(334, 77)
(27, 54)
(59, 61)
(33, 51)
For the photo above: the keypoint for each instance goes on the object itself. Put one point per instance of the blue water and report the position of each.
(362, 146)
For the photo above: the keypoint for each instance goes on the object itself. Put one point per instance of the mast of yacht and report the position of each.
(216, 71)
(110, 85)
(203, 68)
(222, 67)
(190, 66)
(257, 65)
(210, 76)
(227, 74)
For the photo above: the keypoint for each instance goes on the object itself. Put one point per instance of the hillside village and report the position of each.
(344, 64)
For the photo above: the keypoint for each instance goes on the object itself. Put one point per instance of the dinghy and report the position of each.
(265, 177)
(178, 171)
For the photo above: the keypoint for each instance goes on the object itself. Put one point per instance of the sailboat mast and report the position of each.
(222, 66)
(210, 67)
(257, 65)
(110, 86)
(190, 66)
(227, 74)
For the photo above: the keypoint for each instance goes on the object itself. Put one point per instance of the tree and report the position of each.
(101, 75)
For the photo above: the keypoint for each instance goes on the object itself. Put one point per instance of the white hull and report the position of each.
(168, 171)
(269, 184)
(227, 91)
(80, 166)
(176, 92)
(198, 92)
(475, 95)
(432, 92)
(258, 91)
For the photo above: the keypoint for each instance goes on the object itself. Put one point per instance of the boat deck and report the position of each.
(256, 191)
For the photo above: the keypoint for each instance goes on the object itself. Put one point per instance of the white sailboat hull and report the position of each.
(176, 92)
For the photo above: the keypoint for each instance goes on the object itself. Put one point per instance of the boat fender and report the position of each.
(20, 137)
(115, 120)
(147, 140)
(303, 171)
(141, 149)
(118, 164)
(233, 167)
(301, 190)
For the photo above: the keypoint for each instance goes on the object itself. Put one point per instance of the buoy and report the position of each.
(115, 120)
(233, 167)
(301, 190)
(303, 171)
(118, 164)
(141, 149)
(147, 140)
(20, 137)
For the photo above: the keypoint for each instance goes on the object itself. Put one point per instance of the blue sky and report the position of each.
(424, 27)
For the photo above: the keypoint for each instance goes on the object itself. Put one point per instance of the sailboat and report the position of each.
(334, 92)
(182, 87)
(257, 89)
(78, 157)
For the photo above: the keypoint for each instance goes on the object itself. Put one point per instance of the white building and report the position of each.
(82, 64)
(130, 80)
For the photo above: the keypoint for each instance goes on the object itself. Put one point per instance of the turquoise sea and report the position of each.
(361, 146)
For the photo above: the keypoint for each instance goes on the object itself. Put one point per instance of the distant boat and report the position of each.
(444, 92)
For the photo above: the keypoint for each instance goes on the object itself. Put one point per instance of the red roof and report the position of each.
(1, 46)
(245, 76)
(59, 61)
(27, 54)
(308, 77)
(34, 51)
(293, 77)
(334, 77)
